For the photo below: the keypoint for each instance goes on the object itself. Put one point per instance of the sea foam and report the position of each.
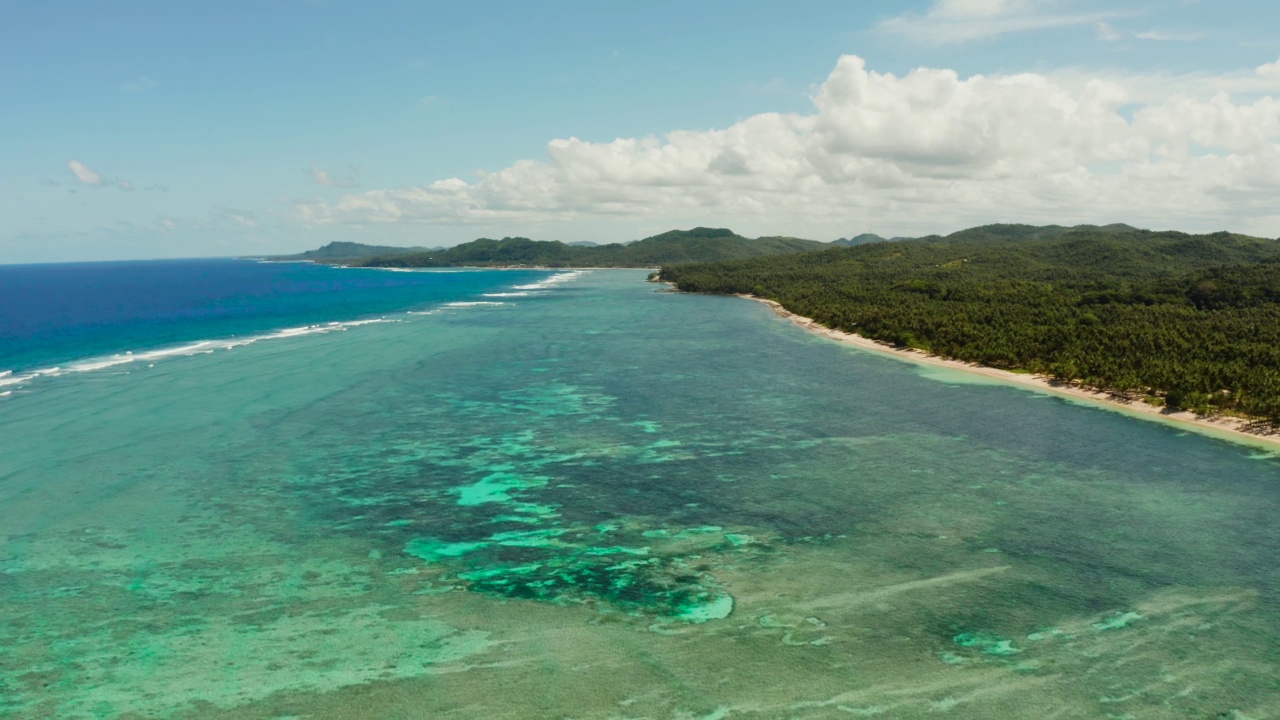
(199, 347)
(8, 378)
(552, 281)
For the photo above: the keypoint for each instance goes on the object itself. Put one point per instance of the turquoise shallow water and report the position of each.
(609, 501)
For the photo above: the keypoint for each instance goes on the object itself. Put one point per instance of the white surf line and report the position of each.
(552, 281)
(199, 347)
(538, 288)
(8, 378)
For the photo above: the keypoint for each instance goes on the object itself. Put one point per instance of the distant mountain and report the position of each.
(673, 247)
(703, 245)
(1017, 233)
(857, 240)
(348, 251)
(1005, 231)
(864, 239)
(583, 243)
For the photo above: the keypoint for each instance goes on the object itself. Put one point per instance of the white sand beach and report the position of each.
(1227, 428)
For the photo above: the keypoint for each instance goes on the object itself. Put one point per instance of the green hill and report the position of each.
(673, 247)
(347, 251)
(862, 239)
(865, 238)
(1188, 321)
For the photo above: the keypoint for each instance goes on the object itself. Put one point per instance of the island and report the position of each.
(700, 244)
(1166, 321)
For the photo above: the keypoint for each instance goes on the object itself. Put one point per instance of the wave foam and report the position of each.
(8, 378)
(199, 347)
(552, 281)
(475, 303)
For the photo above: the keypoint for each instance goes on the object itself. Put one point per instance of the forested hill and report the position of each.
(347, 251)
(1190, 321)
(676, 246)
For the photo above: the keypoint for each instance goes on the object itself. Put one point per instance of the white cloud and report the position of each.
(1168, 36)
(88, 176)
(927, 151)
(226, 221)
(235, 217)
(1155, 88)
(85, 174)
(958, 21)
(325, 179)
(1108, 33)
(243, 219)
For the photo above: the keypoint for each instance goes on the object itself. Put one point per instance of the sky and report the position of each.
(162, 129)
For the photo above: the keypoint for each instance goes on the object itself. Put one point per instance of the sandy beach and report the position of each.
(1226, 428)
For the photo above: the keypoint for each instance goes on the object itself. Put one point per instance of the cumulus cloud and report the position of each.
(325, 179)
(958, 21)
(925, 151)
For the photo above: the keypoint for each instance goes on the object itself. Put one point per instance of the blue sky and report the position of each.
(149, 129)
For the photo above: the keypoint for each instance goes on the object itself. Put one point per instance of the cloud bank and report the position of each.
(926, 151)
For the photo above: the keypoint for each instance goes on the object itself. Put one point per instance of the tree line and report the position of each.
(1186, 321)
(676, 246)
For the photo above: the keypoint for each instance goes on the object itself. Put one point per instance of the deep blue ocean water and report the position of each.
(57, 313)
(499, 494)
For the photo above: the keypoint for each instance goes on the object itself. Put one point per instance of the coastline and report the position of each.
(651, 268)
(1223, 428)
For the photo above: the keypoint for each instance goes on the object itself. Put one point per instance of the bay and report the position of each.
(604, 500)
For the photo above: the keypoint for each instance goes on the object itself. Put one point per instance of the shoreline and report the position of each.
(651, 268)
(1222, 428)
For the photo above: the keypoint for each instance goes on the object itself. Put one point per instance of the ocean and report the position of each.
(83, 313)
(232, 489)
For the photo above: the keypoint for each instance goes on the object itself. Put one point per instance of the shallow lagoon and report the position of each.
(605, 501)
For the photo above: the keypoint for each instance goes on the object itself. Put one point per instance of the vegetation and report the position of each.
(336, 251)
(1188, 321)
(863, 239)
(676, 246)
